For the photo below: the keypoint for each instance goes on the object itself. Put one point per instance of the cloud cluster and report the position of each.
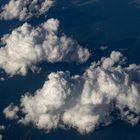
(26, 46)
(86, 101)
(25, 9)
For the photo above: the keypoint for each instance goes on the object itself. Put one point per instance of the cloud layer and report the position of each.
(25, 9)
(26, 46)
(87, 101)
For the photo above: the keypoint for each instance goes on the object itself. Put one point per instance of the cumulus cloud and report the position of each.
(27, 46)
(25, 9)
(10, 111)
(86, 101)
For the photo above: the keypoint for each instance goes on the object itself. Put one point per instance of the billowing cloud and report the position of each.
(86, 101)
(25, 9)
(26, 46)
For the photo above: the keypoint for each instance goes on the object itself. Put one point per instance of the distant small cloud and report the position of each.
(1, 137)
(2, 79)
(102, 48)
(2, 128)
(10, 112)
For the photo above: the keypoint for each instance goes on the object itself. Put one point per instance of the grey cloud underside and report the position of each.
(84, 102)
(27, 46)
(25, 9)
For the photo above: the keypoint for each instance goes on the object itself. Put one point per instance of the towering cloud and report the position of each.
(24, 9)
(27, 46)
(87, 101)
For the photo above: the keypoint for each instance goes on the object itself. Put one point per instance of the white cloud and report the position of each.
(26, 46)
(10, 111)
(25, 9)
(85, 102)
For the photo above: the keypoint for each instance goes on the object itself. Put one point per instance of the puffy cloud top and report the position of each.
(24, 9)
(87, 101)
(114, 58)
(27, 46)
